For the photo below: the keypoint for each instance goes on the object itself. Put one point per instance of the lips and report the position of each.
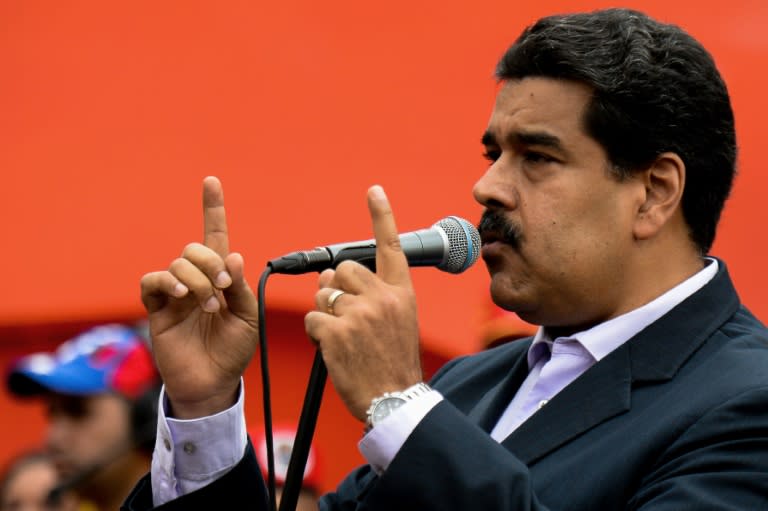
(493, 249)
(491, 246)
(488, 237)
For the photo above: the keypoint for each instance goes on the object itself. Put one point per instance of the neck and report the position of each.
(651, 271)
(663, 267)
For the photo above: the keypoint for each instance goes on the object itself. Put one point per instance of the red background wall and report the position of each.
(111, 113)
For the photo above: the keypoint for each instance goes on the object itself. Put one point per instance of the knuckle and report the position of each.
(190, 248)
(309, 321)
(326, 276)
(346, 268)
(350, 274)
(177, 264)
(147, 280)
(151, 282)
(320, 300)
(389, 300)
(313, 326)
(393, 243)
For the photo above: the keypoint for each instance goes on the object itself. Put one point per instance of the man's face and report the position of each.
(557, 228)
(86, 431)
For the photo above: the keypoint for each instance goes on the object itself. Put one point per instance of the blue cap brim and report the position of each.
(72, 378)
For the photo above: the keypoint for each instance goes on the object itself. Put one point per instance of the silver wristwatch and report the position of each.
(382, 406)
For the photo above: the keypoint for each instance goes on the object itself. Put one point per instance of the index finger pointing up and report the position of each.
(215, 235)
(391, 264)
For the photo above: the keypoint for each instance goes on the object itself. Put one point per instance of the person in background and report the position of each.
(26, 484)
(282, 442)
(101, 390)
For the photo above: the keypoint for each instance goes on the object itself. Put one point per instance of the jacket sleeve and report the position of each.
(448, 463)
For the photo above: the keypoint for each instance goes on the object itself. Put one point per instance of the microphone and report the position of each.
(452, 244)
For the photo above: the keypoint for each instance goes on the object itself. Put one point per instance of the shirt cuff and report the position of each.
(191, 454)
(382, 443)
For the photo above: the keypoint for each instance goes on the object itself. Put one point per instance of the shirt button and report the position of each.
(167, 444)
(189, 448)
(542, 403)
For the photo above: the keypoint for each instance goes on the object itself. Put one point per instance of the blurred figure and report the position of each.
(282, 442)
(101, 389)
(26, 483)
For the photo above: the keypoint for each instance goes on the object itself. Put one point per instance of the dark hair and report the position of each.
(655, 90)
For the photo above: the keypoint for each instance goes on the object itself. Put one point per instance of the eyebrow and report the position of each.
(539, 138)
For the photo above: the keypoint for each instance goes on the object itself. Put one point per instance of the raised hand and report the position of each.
(369, 337)
(203, 317)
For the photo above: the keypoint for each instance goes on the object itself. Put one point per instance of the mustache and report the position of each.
(494, 225)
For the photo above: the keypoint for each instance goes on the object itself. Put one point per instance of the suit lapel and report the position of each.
(490, 407)
(597, 395)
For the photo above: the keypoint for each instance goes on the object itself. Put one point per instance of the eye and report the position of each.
(71, 407)
(492, 155)
(537, 157)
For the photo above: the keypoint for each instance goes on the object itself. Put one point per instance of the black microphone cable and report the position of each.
(266, 392)
(307, 421)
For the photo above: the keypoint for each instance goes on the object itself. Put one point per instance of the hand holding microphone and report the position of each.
(369, 334)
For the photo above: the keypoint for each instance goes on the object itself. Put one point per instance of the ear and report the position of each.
(664, 182)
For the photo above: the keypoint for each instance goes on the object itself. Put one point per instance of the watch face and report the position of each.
(385, 407)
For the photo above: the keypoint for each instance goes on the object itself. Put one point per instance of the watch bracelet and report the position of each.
(411, 392)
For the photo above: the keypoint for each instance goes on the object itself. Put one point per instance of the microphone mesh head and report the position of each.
(463, 244)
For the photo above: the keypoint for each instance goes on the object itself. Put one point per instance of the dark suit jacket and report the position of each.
(675, 419)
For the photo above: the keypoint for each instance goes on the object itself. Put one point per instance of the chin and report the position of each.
(514, 295)
(504, 294)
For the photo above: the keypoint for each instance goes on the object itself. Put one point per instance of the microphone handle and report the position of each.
(426, 247)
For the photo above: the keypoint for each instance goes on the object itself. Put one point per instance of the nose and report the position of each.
(492, 190)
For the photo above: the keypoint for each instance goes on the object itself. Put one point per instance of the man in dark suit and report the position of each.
(612, 152)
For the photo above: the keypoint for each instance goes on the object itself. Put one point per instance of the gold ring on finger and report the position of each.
(332, 300)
